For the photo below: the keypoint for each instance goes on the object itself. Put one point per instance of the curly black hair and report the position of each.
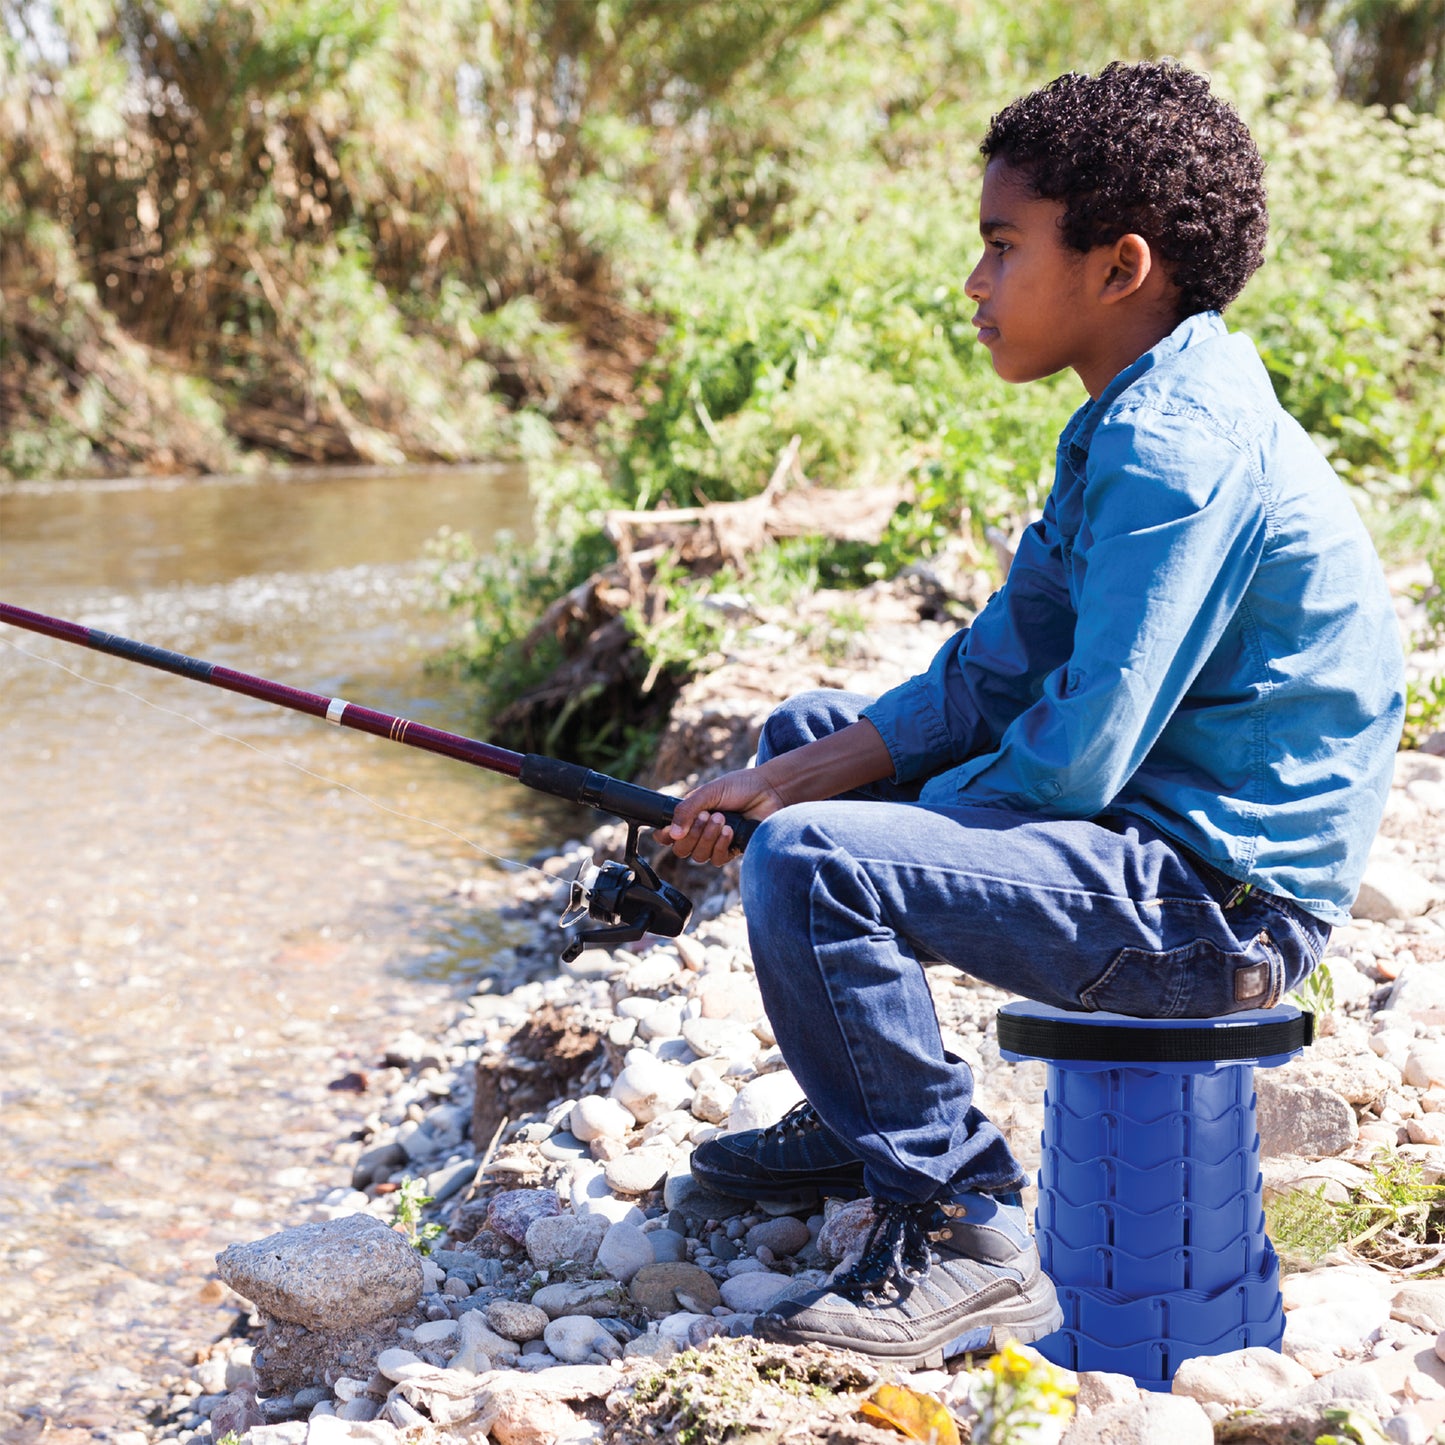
(1146, 149)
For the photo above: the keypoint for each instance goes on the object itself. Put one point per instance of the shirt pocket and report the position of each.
(1198, 980)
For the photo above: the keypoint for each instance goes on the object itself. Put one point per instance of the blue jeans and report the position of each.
(847, 899)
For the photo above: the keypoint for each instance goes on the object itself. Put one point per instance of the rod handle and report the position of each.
(612, 795)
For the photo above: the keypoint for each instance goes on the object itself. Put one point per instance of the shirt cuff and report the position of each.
(908, 721)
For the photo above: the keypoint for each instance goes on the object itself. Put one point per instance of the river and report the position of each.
(203, 925)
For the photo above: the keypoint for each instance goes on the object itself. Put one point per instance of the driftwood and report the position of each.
(717, 533)
(600, 658)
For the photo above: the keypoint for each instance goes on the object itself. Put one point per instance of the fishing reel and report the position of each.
(628, 897)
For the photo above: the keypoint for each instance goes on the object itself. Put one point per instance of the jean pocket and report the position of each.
(1199, 980)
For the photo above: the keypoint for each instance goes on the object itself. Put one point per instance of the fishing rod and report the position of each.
(628, 897)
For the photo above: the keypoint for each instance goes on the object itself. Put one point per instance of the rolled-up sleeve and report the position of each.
(1173, 529)
(987, 674)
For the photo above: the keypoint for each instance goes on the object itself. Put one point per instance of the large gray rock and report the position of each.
(1302, 1119)
(1343, 1065)
(333, 1276)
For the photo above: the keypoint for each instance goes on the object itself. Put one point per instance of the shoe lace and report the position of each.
(897, 1245)
(802, 1118)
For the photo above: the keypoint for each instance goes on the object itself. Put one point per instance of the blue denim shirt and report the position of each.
(1196, 632)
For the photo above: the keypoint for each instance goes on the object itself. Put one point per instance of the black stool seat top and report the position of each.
(1037, 1031)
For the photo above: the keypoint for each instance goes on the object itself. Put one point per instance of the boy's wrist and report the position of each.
(847, 759)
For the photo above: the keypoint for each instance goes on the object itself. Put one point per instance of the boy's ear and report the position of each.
(1126, 266)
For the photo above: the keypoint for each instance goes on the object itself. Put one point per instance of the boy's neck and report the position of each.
(1120, 345)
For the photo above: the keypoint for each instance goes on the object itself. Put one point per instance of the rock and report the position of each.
(1352, 1288)
(728, 996)
(292, 1357)
(398, 1365)
(785, 1235)
(332, 1430)
(597, 1297)
(519, 1418)
(654, 974)
(573, 1339)
(668, 1246)
(1425, 1064)
(845, 1230)
(594, 1117)
(512, 1211)
(625, 1249)
(1335, 1178)
(240, 1368)
(1098, 1390)
(590, 1195)
(1242, 1377)
(1287, 1424)
(521, 1409)
(1407, 1428)
(336, 1275)
(1423, 1298)
(1356, 1076)
(663, 1020)
(563, 1147)
(763, 1101)
(1352, 1382)
(647, 1087)
(376, 1163)
(1419, 988)
(639, 1171)
(236, 1414)
(360, 1409)
(593, 963)
(1427, 1130)
(1302, 1119)
(1391, 890)
(754, 1292)
(557, 1238)
(1152, 1420)
(482, 1348)
(650, 1346)
(435, 1332)
(712, 1101)
(290, 1432)
(655, 1288)
(516, 1319)
(1329, 1329)
(707, 1037)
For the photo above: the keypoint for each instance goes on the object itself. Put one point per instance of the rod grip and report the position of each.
(611, 795)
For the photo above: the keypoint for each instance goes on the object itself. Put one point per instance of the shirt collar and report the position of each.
(1202, 326)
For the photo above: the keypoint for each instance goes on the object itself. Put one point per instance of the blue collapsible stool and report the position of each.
(1151, 1216)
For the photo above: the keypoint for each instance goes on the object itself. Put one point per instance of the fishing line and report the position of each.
(288, 762)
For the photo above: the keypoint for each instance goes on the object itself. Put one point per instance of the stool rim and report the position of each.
(1040, 1031)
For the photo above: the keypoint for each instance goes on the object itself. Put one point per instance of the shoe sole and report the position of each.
(1027, 1317)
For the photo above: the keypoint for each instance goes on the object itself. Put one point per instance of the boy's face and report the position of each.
(1030, 287)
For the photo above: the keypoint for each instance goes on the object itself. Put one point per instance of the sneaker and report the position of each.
(796, 1159)
(933, 1281)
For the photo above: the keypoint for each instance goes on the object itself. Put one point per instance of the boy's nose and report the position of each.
(974, 287)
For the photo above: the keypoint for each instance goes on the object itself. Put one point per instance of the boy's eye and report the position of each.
(1001, 246)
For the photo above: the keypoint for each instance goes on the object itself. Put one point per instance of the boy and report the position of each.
(1145, 778)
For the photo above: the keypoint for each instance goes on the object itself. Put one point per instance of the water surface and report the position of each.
(197, 935)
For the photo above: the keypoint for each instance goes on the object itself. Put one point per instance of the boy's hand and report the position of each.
(697, 830)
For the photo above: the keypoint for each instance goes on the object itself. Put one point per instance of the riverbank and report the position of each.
(573, 1262)
(549, 1113)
